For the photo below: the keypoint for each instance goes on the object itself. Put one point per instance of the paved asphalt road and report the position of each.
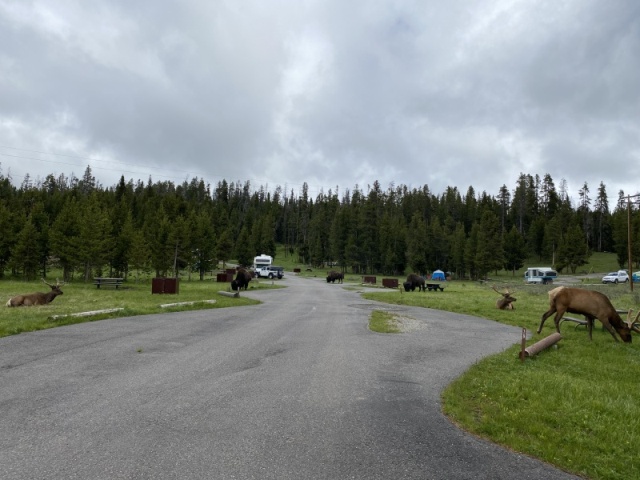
(294, 388)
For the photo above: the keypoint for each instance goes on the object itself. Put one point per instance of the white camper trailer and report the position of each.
(262, 261)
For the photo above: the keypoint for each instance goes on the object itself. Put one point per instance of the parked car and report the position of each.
(621, 276)
(635, 277)
(270, 272)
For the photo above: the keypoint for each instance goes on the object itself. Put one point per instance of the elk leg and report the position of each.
(544, 318)
(557, 319)
(590, 321)
(607, 325)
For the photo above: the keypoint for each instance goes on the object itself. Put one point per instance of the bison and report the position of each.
(332, 276)
(414, 281)
(243, 277)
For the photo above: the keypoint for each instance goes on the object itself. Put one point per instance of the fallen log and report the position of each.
(165, 305)
(543, 344)
(229, 294)
(85, 314)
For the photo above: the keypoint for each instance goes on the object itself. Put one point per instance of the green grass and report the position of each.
(383, 322)
(575, 406)
(133, 298)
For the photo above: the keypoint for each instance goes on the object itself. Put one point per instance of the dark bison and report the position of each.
(243, 277)
(332, 276)
(414, 281)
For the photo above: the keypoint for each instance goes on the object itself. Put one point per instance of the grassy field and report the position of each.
(575, 406)
(133, 298)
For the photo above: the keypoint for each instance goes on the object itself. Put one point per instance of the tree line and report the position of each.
(134, 228)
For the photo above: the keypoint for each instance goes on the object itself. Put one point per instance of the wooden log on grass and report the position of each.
(229, 294)
(165, 305)
(543, 344)
(86, 314)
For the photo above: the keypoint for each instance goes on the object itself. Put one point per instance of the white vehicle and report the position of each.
(543, 275)
(621, 276)
(262, 261)
(270, 272)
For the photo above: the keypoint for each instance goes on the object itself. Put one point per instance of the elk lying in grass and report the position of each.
(592, 305)
(506, 302)
(36, 298)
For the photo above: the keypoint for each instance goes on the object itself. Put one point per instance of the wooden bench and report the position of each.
(579, 322)
(434, 286)
(107, 282)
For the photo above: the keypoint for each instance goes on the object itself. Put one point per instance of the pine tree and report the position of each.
(515, 251)
(65, 238)
(416, 254)
(139, 257)
(7, 237)
(573, 251)
(244, 253)
(224, 246)
(25, 257)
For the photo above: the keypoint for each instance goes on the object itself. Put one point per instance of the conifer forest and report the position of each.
(82, 229)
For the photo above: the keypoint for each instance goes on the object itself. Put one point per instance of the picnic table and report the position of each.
(434, 287)
(107, 282)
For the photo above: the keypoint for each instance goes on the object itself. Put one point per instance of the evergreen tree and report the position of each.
(416, 235)
(7, 237)
(458, 241)
(224, 246)
(470, 252)
(602, 220)
(158, 235)
(93, 248)
(244, 253)
(515, 251)
(573, 251)
(620, 225)
(489, 249)
(203, 242)
(504, 199)
(65, 238)
(584, 212)
(139, 257)
(26, 252)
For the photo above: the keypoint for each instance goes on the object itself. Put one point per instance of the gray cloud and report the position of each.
(324, 92)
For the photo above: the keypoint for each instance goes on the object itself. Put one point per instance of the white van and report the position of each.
(543, 275)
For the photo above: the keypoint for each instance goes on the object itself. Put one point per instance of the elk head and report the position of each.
(36, 298)
(506, 302)
(632, 323)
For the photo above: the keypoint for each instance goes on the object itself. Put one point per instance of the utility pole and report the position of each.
(629, 197)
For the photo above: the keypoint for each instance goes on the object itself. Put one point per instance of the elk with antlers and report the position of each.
(506, 302)
(36, 298)
(592, 305)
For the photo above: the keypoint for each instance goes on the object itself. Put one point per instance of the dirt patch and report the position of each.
(406, 323)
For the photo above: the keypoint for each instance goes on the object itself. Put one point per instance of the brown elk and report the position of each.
(592, 305)
(506, 302)
(36, 298)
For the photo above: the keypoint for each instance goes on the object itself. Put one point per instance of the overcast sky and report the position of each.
(334, 93)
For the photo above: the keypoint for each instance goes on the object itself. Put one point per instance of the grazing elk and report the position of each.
(506, 300)
(592, 305)
(36, 298)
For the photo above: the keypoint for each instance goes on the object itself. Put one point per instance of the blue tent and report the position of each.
(438, 275)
